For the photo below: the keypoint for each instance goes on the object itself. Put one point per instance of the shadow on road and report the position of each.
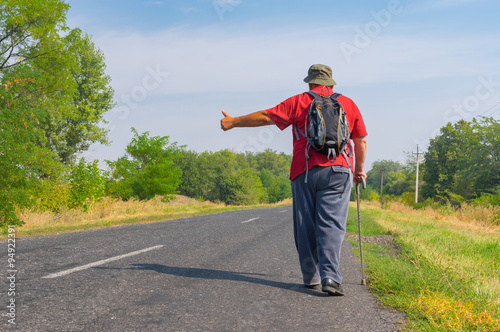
(189, 272)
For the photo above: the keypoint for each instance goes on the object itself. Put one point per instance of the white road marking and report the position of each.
(101, 262)
(284, 211)
(244, 222)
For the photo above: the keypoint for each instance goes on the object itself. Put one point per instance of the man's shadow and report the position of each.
(189, 272)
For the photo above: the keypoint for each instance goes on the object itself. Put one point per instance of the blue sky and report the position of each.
(410, 66)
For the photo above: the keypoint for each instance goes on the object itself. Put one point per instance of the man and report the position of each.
(320, 205)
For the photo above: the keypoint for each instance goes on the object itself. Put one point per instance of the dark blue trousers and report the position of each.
(320, 209)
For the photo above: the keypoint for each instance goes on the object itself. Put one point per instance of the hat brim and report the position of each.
(320, 80)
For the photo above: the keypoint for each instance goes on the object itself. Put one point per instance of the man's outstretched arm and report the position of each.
(257, 119)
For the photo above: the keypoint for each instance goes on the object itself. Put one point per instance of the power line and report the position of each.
(495, 111)
(491, 109)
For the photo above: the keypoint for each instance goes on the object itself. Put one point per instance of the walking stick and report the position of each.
(363, 280)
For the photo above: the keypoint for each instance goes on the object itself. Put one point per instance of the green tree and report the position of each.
(197, 175)
(147, 169)
(233, 180)
(273, 169)
(46, 86)
(22, 161)
(464, 160)
(382, 168)
(80, 126)
(30, 32)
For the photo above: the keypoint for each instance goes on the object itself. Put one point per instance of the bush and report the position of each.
(147, 169)
(87, 185)
(488, 199)
(368, 194)
(51, 195)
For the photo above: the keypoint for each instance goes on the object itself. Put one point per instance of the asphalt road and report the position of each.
(232, 271)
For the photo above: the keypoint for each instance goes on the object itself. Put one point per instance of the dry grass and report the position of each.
(446, 313)
(483, 219)
(110, 212)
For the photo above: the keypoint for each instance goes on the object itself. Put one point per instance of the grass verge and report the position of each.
(111, 212)
(443, 274)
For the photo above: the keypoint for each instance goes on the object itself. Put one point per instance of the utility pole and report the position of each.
(382, 183)
(416, 186)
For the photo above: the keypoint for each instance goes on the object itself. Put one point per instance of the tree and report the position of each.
(71, 84)
(194, 180)
(382, 168)
(30, 32)
(147, 169)
(22, 161)
(79, 128)
(274, 170)
(235, 182)
(47, 90)
(464, 160)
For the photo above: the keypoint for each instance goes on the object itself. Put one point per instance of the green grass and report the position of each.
(443, 277)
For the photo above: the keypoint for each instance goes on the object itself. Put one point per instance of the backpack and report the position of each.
(326, 129)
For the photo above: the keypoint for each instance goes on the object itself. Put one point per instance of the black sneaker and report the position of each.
(331, 287)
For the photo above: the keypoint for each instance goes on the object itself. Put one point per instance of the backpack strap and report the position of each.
(297, 131)
(333, 153)
(313, 94)
(350, 148)
(347, 159)
(348, 155)
(335, 95)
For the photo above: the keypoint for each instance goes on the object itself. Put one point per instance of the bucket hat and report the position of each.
(320, 74)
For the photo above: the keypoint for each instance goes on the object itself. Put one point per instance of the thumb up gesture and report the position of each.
(227, 121)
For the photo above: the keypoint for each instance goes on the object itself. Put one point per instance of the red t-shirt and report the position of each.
(293, 111)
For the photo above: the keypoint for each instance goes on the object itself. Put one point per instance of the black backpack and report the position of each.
(326, 128)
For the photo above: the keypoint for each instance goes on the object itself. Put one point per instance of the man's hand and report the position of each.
(358, 175)
(227, 122)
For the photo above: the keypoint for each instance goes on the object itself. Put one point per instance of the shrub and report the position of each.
(87, 185)
(51, 195)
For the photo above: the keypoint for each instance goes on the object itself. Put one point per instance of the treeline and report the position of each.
(236, 179)
(155, 166)
(462, 164)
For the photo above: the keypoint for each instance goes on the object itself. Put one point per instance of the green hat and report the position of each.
(320, 74)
